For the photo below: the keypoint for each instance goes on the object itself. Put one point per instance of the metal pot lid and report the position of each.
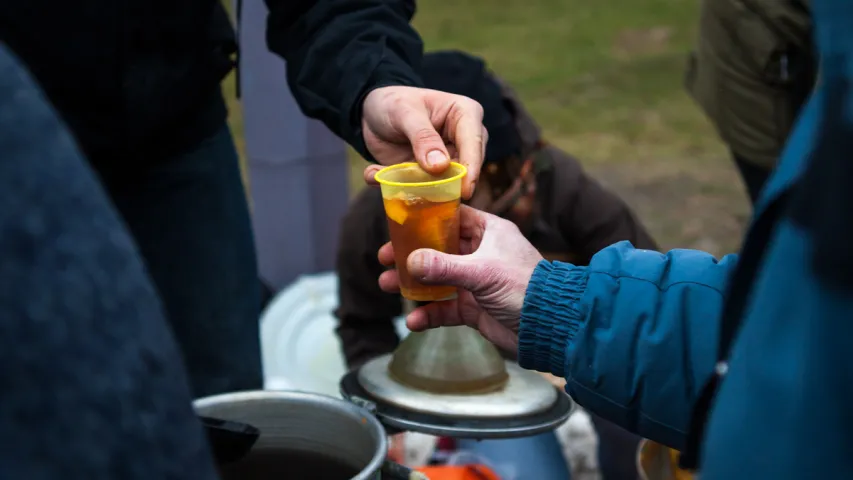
(524, 393)
(527, 405)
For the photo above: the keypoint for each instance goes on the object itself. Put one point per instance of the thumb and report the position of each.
(427, 144)
(435, 268)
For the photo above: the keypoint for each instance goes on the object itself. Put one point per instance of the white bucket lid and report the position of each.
(300, 348)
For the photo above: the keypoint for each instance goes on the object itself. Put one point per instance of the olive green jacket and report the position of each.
(751, 71)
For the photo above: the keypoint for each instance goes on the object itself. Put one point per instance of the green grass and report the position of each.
(604, 80)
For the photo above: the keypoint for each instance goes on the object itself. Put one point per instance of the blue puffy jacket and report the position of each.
(636, 333)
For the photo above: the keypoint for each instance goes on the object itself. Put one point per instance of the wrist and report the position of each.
(551, 316)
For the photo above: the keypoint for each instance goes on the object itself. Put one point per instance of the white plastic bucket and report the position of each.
(300, 348)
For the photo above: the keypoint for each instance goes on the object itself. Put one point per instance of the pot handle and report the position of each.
(229, 441)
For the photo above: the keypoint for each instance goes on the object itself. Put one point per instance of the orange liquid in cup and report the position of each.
(414, 223)
(423, 212)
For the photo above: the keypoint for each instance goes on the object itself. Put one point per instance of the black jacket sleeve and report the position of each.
(338, 51)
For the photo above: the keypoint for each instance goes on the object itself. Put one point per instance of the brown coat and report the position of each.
(578, 218)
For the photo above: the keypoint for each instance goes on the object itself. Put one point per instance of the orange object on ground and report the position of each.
(459, 472)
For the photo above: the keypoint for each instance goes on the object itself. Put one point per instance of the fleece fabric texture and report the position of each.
(92, 383)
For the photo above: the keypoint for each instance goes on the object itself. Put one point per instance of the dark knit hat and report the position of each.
(462, 74)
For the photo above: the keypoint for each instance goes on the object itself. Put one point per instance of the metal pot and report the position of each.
(298, 423)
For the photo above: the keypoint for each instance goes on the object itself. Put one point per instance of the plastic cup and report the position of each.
(423, 212)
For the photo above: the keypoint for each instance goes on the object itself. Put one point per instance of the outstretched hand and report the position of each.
(492, 273)
(407, 124)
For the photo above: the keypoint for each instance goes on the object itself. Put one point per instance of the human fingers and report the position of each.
(434, 315)
(485, 142)
(472, 222)
(370, 173)
(436, 268)
(389, 281)
(465, 122)
(449, 314)
(452, 151)
(427, 145)
(499, 334)
(386, 255)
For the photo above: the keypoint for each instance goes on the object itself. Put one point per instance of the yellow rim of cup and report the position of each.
(432, 183)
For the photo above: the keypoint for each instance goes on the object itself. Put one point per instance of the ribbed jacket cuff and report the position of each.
(551, 316)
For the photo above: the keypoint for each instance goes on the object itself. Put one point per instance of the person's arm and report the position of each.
(634, 334)
(589, 216)
(339, 51)
(365, 313)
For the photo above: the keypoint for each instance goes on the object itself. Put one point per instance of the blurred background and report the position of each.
(604, 79)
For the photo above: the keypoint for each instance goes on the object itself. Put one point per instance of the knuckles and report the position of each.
(428, 135)
(491, 275)
(436, 269)
(471, 106)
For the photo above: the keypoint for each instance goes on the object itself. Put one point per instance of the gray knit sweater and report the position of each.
(91, 382)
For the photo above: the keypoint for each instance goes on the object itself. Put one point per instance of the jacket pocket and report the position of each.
(744, 74)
